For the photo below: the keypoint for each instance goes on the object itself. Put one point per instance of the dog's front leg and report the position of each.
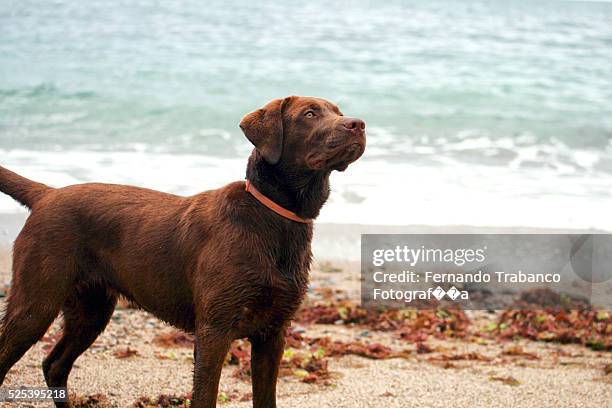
(210, 350)
(266, 354)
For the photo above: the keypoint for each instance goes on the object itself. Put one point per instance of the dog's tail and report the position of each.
(24, 190)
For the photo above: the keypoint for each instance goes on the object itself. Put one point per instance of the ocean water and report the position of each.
(479, 112)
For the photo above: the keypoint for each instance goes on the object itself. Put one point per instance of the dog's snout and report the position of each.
(354, 124)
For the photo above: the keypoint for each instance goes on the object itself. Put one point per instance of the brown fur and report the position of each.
(218, 264)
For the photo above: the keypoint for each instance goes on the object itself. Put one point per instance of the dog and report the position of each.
(223, 264)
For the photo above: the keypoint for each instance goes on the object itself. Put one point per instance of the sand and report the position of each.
(563, 376)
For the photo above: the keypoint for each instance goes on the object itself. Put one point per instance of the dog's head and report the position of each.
(305, 133)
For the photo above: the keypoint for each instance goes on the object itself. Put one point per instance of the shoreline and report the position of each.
(341, 242)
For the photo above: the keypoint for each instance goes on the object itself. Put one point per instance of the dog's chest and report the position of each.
(278, 285)
(272, 306)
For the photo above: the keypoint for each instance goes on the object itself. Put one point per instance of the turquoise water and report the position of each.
(507, 104)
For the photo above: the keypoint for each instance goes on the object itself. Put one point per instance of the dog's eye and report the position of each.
(310, 114)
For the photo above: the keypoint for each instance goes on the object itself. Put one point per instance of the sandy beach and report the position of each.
(139, 358)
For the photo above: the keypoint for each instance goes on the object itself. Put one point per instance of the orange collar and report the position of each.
(273, 206)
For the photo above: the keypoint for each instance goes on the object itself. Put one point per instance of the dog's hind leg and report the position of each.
(86, 314)
(31, 308)
(21, 329)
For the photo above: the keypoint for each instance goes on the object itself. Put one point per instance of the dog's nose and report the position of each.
(354, 124)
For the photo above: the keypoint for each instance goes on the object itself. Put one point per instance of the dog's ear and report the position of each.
(264, 128)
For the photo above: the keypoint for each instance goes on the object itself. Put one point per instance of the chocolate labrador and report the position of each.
(224, 264)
